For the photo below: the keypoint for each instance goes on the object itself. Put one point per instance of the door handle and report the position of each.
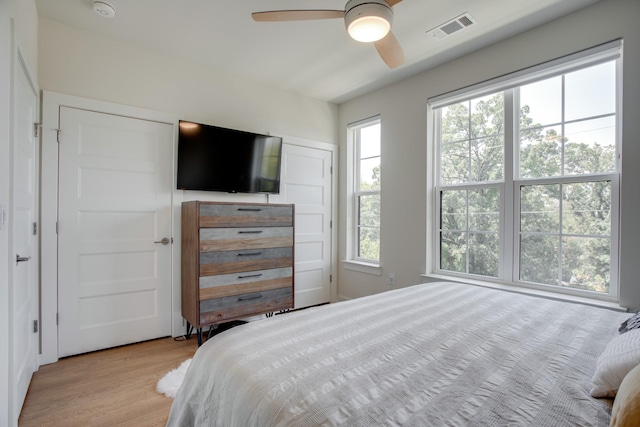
(164, 241)
(22, 259)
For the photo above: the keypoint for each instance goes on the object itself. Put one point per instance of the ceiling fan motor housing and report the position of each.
(360, 14)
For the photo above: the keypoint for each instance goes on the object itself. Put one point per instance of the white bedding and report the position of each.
(427, 355)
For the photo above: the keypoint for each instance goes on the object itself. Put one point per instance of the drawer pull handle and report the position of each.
(251, 254)
(22, 259)
(250, 232)
(250, 209)
(250, 298)
(250, 275)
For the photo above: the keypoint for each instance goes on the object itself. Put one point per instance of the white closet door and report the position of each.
(24, 248)
(306, 182)
(115, 189)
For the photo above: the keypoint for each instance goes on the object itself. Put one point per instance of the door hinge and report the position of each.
(331, 278)
(58, 135)
(35, 228)
(56, 319)
(57, 227)
(36, 129)
(3, 217)
(35, 326)
(331, 224)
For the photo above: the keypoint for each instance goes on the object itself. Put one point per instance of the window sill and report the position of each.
(425, 278)
(362, 267)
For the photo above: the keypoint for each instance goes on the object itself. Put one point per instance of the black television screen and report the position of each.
(212, 158)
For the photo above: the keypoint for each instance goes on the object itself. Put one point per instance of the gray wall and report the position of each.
(403, 108)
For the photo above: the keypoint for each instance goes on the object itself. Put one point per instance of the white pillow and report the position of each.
(621, 355)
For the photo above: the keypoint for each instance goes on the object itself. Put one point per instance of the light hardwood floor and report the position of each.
(106, 388)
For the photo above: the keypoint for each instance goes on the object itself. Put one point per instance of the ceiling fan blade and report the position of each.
(296, 15)
(393, 2)
(390, 50)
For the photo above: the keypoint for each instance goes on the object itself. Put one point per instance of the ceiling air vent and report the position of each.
(459, 23)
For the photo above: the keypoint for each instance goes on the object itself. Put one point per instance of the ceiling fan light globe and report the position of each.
(368, 22)
(369, 29)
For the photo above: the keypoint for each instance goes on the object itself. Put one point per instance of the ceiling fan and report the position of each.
(366, 21)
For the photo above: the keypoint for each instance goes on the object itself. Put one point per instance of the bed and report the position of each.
(426, 355)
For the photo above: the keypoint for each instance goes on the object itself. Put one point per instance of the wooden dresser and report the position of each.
(237, 261)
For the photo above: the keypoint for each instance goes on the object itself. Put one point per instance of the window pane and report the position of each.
(590, 146)
(540, 208)
(487, 159)
(455, 122)
(370, 141)
(541, 103)
(483, 254)
(586, 208)
(484, 209)
(541, 152)
(453, 251)
(369, 243)
(539, 259)
(586, 263)
(369, 210)
(370, 174)
(487, 116)
(591, 91)
(453, 210)
(454, 168)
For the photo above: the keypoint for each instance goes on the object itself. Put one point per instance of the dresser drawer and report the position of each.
(232, 307)
(229, 239)
(246, 260)
(244, 277)
(245, 288)
(245, 215)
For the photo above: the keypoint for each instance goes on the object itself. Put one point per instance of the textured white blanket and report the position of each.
(427, 355)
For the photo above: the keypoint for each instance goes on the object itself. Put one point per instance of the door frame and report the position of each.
(293, 140)
(51, 103)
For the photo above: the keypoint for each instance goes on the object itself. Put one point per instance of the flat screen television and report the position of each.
(212, 158)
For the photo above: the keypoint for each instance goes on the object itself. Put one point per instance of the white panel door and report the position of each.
(115, 189)
(306, 182)
(24, 283)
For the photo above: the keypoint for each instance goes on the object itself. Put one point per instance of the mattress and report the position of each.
(437, 354)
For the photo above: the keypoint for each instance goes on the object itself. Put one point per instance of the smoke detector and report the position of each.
(104, 9)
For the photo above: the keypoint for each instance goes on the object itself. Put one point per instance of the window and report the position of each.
(527, 177)
(365, 211)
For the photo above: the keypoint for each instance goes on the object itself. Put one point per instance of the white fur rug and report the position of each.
(170, 383)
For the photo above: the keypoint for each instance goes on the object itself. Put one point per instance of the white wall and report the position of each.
(79, 63)
(402, 107)
(18, 29)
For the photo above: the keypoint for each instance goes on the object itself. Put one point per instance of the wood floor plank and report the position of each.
(106, 388)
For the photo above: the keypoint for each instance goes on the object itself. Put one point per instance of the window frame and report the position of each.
(354, 261)
(509, 233)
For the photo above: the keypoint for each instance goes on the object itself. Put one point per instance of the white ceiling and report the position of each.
(313, 58)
